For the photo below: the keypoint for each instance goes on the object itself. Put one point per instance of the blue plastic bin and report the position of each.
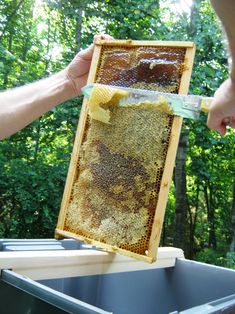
(189, 287)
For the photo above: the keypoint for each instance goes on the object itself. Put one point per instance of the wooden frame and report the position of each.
(169, 162)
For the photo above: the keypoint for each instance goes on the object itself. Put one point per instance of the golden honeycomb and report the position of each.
(123, 152)
(155, 68)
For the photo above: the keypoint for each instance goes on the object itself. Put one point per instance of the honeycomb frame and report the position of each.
(155, 231)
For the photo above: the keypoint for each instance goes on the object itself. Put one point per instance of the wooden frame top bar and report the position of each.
(183, 44)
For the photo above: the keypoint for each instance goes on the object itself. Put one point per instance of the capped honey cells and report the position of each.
(121, 161)
(153, 68)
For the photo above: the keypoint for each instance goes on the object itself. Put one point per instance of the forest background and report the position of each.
(40, 37)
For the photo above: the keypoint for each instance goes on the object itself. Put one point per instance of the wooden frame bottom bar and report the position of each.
(110, 248)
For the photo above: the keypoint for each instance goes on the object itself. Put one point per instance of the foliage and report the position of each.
(217, 257)
(38, 38)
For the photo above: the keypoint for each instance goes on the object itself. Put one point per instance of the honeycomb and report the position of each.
(153, 68)
(123, 152)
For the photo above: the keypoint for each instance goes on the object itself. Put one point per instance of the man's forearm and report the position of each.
(20, 106)
(225, 10)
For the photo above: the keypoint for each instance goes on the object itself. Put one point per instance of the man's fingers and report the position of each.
(221, 129)
(87, 53)
(102, 37)
(220, 125)
(232, 123)
(216, 123)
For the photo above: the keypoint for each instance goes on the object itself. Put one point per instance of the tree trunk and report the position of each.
(78, 32)
(79, 28)
(163, 236)
(191, 28)
(47, 63)
(181, 205)
(27, 43)
(8, 68)
(210, 215)
(192, 223)
(10, 17)
(37, 141)
(232, 246)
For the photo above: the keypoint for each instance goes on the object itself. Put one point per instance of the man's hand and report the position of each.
(222, 112)
(77, 70)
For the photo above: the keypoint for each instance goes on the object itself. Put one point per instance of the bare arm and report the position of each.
(20, 106)
(222, 110)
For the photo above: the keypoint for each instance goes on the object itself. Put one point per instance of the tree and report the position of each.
(181, 204)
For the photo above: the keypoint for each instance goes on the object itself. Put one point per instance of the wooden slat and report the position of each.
(108, 247)
(72, 263)
(175, 44)
(186, 75)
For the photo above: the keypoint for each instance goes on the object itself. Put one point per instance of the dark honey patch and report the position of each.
(153, 67)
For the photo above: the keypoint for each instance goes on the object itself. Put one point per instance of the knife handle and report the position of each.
(205, 104)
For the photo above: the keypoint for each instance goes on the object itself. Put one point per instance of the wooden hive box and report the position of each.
(120, 174)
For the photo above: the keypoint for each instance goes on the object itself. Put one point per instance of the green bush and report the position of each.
(217, 257)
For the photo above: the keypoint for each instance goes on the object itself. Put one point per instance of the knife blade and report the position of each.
(187, 106)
